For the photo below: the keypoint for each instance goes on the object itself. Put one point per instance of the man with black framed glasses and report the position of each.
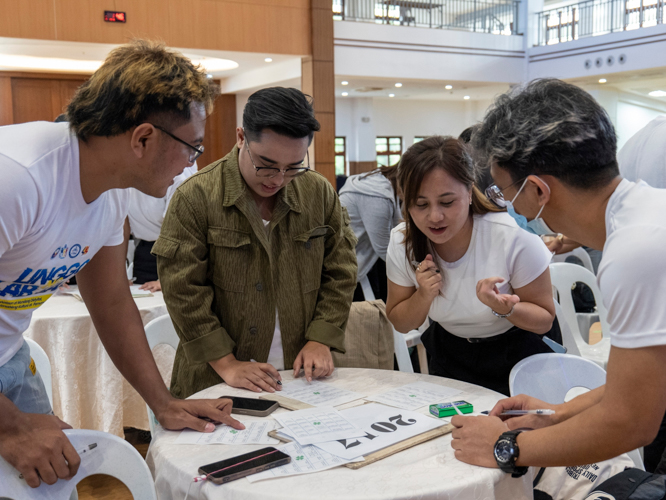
(256, 257)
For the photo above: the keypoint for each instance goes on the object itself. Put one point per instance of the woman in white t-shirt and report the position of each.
(483, 282)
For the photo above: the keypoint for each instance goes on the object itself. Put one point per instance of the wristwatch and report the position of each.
(506, 453)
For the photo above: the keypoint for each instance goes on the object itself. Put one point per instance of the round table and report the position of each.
(88, 390)
(427, 471)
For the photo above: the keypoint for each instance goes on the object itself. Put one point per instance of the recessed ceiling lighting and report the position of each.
(448, 87)
(466, 97)
(345, 82)
(398, 85)
(345, 94)
(657, 93)
(602, 80)
(391, 95)
(268, 59)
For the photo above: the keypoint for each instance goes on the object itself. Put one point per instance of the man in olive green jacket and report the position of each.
(256, 257)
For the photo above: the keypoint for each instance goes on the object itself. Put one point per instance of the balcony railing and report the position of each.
(497, 17)
(597, 17)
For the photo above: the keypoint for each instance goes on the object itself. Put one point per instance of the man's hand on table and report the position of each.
(189, 413)
(151, 286)
(36, 446)
(474, 439)
(316, 361)
(250, 375)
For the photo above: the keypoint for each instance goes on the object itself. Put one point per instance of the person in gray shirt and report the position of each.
(373, 204)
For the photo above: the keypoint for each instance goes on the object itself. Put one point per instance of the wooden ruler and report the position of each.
(390, 450)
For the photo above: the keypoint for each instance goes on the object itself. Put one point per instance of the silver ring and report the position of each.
(418, 268)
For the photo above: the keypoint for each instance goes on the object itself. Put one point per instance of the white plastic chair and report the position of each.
(160, 331)
(580, 254)
(401, 341)
(43, 366)
(112, 456)
(563, 276)
(568, 339)
(549, 377)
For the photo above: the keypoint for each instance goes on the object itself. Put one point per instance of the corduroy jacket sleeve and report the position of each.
(182, 264)
(338, 277)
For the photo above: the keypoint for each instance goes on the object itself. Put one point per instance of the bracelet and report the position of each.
(503, 315)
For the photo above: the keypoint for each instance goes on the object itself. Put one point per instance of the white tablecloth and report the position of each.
(88, 391)
(427, 471)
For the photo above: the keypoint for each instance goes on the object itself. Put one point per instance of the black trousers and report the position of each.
(487, 363)
(145, 263)
(377, 279)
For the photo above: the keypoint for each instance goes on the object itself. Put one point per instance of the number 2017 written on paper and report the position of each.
(386, 427)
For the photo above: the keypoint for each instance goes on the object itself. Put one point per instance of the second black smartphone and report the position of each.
(254, 407)
(234, 468)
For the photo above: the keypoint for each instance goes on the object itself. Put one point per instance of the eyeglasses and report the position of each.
(495, 194)
(197, 150)
(270, 172)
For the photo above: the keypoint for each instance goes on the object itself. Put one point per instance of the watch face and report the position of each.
(503, 451)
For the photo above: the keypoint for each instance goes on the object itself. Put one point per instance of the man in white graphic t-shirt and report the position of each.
(551, 151)
(138, 122)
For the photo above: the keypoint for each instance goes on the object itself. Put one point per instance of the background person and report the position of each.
(459, 261)
(371, 199)
(256, 257)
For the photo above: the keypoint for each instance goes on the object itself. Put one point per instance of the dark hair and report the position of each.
(435, 152)
(549, 127)
(137, 82)
(482, 176)
(466, 135)
(285, 111)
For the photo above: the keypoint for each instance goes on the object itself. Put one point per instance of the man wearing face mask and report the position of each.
(256, 257)
(551, 151)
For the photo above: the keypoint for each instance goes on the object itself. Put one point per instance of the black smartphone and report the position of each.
(254, 407)
(234, 468)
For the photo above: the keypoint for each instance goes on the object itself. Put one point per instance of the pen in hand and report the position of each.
(527, 412)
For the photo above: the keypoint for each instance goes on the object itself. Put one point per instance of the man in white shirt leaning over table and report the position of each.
(551, 150)
(137, 122)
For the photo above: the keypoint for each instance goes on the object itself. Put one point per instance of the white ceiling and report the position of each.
(639, 83)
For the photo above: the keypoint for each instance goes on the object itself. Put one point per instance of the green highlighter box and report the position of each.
(446, 409)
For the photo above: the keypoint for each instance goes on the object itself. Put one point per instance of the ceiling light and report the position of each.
(345, 94)
(602, 80)
(212, 64)
(448, 87)
(657, 93)
(398, 85)
(345, 82)
(466, 97)
(391, 95)
(268, 59)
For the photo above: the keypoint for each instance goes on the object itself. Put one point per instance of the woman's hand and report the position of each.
(489, 294)
(429, 279)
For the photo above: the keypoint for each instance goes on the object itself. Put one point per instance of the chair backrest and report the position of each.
(368, 338)
(112, 456)
(580, 254)
(160, 331)
(43, 366)
(568, 339)
(550, 376)
(564, 276)
(400, 348)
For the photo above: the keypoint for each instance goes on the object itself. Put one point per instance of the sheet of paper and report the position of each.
(254, 433)
(415, 395)
(382, 426)
(304, 460)
(317, 393)
(317, 425)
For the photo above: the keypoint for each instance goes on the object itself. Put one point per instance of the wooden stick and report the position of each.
(288, 403)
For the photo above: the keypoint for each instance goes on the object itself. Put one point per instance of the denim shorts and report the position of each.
(23, 388)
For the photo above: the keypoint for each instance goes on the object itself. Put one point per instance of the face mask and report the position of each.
(537, 225)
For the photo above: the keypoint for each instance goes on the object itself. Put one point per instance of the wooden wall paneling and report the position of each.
(67, 89)
(28, 19)
(33, 99)
(6, 105)
(220, 130)
(360, 167)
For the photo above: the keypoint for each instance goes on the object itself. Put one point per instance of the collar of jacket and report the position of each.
(235, 187)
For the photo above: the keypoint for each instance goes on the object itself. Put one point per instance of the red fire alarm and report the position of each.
(112, 16)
